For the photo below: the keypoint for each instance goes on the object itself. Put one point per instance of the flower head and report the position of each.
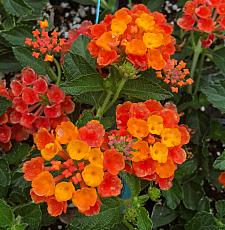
(44, 45)
(71, 168)
(174, 74)
(35, 104)
(137, 35)
(204, 16)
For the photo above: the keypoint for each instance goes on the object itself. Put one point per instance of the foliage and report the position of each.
(196, 199)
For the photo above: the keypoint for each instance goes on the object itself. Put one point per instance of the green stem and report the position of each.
(128, 225)
(197, 81)
(130, 3)
(117, 94)
(197, 52)
(100, 111)
(51, 74)
(58, 71)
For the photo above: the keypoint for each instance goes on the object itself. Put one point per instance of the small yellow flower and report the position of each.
(92, 175)
(49, 58)
(78, 149)
(96, 157)
(159, 152)
(64, 191)
(118, 27)
(145, 22)
(171, 137)
(153, 40)
(43, 24)
(155, 124)
(49, 151)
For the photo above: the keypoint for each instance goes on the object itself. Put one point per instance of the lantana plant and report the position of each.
(115, 124)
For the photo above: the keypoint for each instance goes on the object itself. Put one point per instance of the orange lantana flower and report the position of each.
(65, 132)
(84, 198)
(44, 184)
(64, 191)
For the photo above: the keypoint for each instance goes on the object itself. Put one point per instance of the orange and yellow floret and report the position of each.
(82, 165)
(150, 139)
(44, 45)
(71, 169)
(142, 37)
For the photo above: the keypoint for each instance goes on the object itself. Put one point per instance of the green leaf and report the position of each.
(218, 58)
(78, 61)
(24, 56)
(30, 214)
(215, 92)
(173, 195)
(4, 104)
(109, 216)
(90, 98)
(18, 153)
(19, 227)
(198, 121)
(143, 220)
(16, 7)
(8, 63)
(132, 182)
(37, 7)
(155, 5)
(186, 170)
(204, 204)
(8, 23)
(4, 173)
(202, 221)
(162, 216)
(6, 215)
(217, 131)
(220, 162)
(17, 35)
(143, 90)
(83, 85)
(220, 208)
(192, 193)
(85, 117)
(20, 189)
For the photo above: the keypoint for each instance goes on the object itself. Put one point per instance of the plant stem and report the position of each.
(117, 94)
(51, 74)
(107, 104)
(130, 3)
(128, 225)
(197, 52)
(100, 111)
(58, 71)
(197, 81)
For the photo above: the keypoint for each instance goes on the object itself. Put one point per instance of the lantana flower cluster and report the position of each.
(142, 37)
(71, 169)
(43, 44)
(174, 74)
(35, 104)
(149, 141)
(207, 16)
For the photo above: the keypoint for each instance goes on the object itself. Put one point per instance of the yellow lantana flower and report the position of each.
(159, 152)
(78, 149)
(92, 175)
